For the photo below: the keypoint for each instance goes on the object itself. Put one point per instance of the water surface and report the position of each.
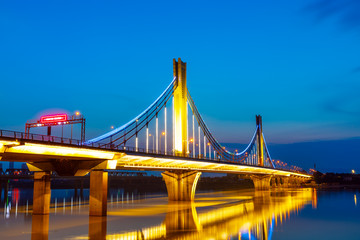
(245, 214)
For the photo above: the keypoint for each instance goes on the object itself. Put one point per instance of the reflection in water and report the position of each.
(97, 228)
(40, 227)
(246, 219)
(226, 215)
(314, 199)
(11, 198)
(355, 201)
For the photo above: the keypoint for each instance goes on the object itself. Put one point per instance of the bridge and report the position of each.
(160, 138)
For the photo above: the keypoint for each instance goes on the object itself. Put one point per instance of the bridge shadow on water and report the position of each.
(218, 215)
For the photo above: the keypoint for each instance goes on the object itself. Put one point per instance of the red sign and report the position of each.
(53, 118)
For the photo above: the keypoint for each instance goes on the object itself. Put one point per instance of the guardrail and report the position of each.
(76, 142)
(39, 137)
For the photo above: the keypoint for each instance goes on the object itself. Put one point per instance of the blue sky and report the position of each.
(294, 62)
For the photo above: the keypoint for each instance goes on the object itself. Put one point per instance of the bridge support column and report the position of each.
(261, 182)
(181, 185)
(98, 193)
(285, 181)
(42, 193)
(296, 181)
(273, 182)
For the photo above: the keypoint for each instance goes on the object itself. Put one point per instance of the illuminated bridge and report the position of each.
(169, 136)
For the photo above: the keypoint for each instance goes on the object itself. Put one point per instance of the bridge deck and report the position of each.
(38, 152)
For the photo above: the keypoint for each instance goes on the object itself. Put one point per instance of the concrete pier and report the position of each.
(98, 193)
(261, 182)
(181, 185)
(42, 193)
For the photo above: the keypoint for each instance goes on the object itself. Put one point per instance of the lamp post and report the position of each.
(77, 113)
(209, 150)
(193, 149)
(162, 134)
(152, 142)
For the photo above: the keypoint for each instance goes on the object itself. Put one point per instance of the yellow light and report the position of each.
(355, 200)
(208, 144)
(30, 148)
(353, 171)
(149, 134)
(9, 143)
(111, 164)
(112, 127)
(191, 140)
(77, 113)
(163, 133)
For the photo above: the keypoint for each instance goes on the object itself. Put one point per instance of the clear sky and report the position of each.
(294, 62)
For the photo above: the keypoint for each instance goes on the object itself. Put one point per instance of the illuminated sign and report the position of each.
(53, 118)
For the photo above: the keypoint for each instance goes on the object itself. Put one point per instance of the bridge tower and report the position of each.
(260, 141)
(180, 109)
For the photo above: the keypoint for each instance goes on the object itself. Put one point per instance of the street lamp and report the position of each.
(209, 149)
(162, 134)
(77, 113)
(152, 141)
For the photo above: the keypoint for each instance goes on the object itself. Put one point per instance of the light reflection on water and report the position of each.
(220, 215)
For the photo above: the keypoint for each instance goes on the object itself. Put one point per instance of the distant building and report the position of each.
(24, 166)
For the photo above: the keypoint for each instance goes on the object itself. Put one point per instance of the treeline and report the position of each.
(337, 178)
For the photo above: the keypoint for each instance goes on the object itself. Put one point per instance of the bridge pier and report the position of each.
(42, 193)
(285, 181)
(296, 181)
(181, 185)
(98, 193)
(261, 182)
(274, 182)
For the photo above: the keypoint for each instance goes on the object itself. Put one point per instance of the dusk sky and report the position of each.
(294, 62)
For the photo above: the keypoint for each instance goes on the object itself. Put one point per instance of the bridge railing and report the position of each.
(39, 137)
(76, 142)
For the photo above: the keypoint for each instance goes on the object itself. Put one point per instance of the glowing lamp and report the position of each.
(53, 118)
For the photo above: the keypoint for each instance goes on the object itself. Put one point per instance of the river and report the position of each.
(303, 213)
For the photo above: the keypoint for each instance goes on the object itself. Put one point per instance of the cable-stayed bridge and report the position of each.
(170, 136)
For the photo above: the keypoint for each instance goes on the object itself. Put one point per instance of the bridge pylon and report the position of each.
(180, 109)
(260, 141)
